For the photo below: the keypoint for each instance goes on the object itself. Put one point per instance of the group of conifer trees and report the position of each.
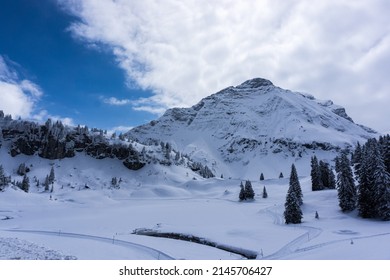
(363, 183)
(322, 176)
(371, 193)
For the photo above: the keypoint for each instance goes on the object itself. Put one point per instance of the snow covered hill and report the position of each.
(256, 127)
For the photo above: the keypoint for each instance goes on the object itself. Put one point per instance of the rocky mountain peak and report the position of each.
(255, 83)
(255, 122)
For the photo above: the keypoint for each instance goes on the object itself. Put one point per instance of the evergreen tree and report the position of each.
(242, 195)
(382, 187)
(331, 179)
(345, 185)
(261, 177)
(3, 178)
(51, 176)
(316, 183)
(295, 185)
(47, 183)
(249, 193)
(265, 194)
(2, 174)
(326, 176)
(357, 159)
(385, 147)
(114, 182)
(366, 193)
(292, 212)
(281, 175)
(22, 170)
(25, 184)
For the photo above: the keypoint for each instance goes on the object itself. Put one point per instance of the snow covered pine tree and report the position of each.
(346, 188)
(293, 212)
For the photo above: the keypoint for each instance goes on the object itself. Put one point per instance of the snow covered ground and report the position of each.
(97, 223)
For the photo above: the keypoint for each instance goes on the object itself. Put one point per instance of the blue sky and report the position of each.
(117, 64)
(74, 78)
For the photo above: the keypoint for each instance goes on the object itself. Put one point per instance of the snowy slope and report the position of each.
(98, 225)
(255, 122)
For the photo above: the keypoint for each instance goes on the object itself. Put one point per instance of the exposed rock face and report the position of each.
(56, 141)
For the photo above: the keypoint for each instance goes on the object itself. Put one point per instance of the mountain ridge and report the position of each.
(258, 117)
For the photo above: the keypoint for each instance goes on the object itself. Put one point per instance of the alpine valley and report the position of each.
(170, 189)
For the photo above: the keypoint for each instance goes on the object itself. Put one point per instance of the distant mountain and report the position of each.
(255, 126)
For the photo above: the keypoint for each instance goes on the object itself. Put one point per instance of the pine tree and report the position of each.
(331, 179)
(47, 183)
(316, 183)
(265, 194)
(22, 169)
(385, 147)
(357, 159)
(366, 193)
(25, 184)
(295, 185)
(261, 177)
(2, 174)
(51, 176)
(326, 176)
(345, 185)
(3, 178)
(293, 212)
(114, 182)
(249, 193)
(242, 195)
(382, 188)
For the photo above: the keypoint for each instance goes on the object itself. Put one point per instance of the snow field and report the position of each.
(97, 223)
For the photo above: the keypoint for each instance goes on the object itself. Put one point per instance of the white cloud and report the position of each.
(115, 101)
(43, 115)
(14, 101)
(186, 50)
(119, 129)
(17, 98)
(141, 104)
(21, 97)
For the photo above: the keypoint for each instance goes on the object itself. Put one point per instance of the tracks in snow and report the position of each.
(296, 245)
(155, 254)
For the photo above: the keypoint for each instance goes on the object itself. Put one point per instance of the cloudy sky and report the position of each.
(121, 63)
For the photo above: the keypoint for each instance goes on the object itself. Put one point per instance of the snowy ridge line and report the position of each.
(203, 241)
(153, 252)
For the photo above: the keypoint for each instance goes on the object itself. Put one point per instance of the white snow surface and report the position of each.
(96, 223)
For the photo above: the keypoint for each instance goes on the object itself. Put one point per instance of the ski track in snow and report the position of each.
(151, 251)
(294, 246)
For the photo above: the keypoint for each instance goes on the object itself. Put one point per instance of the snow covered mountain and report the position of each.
(255, 127)
(103, 191)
